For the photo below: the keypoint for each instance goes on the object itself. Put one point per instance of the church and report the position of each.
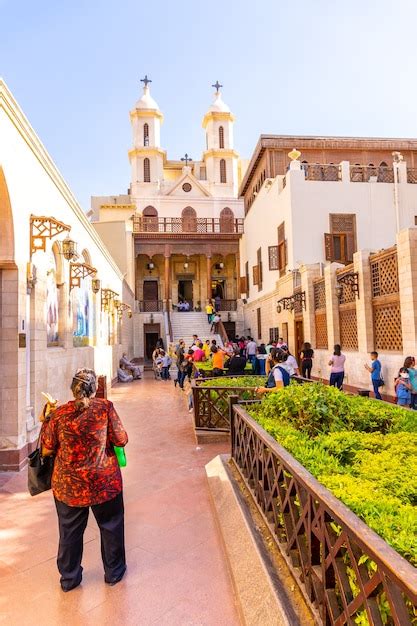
(175, 234)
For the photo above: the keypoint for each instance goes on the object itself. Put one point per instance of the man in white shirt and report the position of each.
(251, 349)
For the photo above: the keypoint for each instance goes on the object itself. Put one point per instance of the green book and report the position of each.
(121, 456)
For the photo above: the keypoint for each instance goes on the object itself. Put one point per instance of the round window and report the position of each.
(186, 187)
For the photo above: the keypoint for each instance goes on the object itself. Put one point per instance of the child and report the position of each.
(403, 387)
(189, 393)
(165, 361)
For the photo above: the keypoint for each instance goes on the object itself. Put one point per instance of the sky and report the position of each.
(312, 67)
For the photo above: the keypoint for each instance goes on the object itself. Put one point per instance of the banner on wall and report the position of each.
(52, 315)
(83, 307)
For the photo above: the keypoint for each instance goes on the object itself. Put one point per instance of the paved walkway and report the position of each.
(176, 570)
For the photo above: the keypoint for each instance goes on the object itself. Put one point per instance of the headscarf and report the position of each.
(83, 387)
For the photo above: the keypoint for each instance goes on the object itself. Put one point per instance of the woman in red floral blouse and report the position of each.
(81, 434)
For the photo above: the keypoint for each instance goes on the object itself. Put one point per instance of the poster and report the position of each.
(52, 316)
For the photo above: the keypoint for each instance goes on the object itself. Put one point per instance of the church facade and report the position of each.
(176, 233)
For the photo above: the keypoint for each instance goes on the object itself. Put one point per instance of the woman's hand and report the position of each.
(47, 410)
(260, 390)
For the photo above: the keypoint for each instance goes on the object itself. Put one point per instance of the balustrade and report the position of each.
(179, 225)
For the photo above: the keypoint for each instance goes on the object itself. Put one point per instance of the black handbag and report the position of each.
(40, 470)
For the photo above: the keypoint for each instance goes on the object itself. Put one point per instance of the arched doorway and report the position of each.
(189, 220)
(6, 224)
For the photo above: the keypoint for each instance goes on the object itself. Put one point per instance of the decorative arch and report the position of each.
(146, 170)
(383, 164)
(189, 220)
(223, 178)
(86, 256)
(221, 137)
(6, 225)
(150, 221)
(227, 219)
(146, 134)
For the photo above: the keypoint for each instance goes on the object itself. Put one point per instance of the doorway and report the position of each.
(150, 290)
(218, 288)
(299, 337)
(185, 290)
(151, 333)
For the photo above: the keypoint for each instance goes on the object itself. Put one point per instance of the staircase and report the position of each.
(186, 324)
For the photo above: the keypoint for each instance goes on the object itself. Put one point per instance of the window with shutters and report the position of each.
(273, 257)
(146, 134)
(273, 334)
(243, 285)
(221, 137)
(282, 249)
(223, 171)
(259, 260)
(255, 275)
(259, 322)
(203, 172)
(146, 171)
(340, 243)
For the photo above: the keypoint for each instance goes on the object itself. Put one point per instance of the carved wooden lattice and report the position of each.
(387, 327)
(211, 405)
(327, 546)
(348, 327)
(384, 273)
(386, 301)
(321, 330)
(319, 295)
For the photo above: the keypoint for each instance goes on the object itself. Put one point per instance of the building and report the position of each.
(176, 233)
(64, 303)
(310, 228)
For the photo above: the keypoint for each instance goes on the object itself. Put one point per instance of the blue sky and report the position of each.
(328, 67)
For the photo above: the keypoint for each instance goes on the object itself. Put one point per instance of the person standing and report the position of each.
(209, 311)
(165, 361)
(251, 349)
(410, 365)
(403, 388)
(82, 434)
(290, 364)
(337, 372)
(376, 377)
(215, 323)
(217, 303)
(261, 359)
(307, 356)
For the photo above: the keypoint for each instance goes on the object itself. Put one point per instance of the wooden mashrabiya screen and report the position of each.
(320, 316)
(386, 300)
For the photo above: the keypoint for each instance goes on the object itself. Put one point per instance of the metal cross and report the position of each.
(186, 158)
(217, 85)
(145, 80)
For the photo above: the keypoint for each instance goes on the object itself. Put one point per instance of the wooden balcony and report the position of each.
(194, 227)
(149, 306)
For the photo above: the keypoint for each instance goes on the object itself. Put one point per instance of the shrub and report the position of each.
(364, 451)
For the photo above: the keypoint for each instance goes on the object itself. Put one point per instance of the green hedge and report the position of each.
(205, 366)
(234, 381)
(364, 451)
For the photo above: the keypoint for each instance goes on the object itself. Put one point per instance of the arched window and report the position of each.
(150, 220)
(226, 220)
(146, 134)
(86, 256)
(146, 171)
(189, 220)
(221, 137)
(222, 171)
(383, 164)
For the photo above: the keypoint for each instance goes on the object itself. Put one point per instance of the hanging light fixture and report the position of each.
(69, 249)
(96, 285)
(186, 265)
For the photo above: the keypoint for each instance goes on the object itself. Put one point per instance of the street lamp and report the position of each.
(69, 249)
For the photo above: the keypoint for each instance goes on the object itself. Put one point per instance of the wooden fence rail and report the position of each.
(346, 571)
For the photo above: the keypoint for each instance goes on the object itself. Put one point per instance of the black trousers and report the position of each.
(306, 367)
(72, 522)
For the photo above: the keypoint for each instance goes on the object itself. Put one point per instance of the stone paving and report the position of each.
(176, 575)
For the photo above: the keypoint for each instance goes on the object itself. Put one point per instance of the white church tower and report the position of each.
(146, 157)
(220, 158)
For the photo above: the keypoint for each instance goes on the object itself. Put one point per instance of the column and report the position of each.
(332, 305)
(308, 274)
(208, 270)
(407, 277)
(237, 260)
(167, 278)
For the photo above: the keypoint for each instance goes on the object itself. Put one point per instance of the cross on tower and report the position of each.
(217, 85)
(186, 158)
(145, 80)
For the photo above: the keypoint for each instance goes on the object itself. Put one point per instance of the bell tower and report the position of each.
(220, 157)
(146, 157)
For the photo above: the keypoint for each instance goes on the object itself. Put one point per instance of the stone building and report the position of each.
(176, 233)
(64, 303)
(311, 223)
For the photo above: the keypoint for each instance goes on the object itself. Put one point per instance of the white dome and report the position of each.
(146, 101)
(218, 105)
